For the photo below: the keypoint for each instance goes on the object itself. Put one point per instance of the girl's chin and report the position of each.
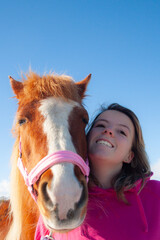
(99, 156)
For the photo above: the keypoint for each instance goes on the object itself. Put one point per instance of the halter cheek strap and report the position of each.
(46, 163)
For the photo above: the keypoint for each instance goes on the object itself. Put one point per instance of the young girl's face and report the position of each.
(111, 138)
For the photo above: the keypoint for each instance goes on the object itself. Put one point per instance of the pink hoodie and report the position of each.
(111, 219)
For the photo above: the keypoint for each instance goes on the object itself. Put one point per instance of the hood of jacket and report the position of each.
(136, 189)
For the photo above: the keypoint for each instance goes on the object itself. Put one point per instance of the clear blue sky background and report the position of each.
(118, 41)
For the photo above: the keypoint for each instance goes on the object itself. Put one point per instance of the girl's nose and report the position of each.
(108, 131)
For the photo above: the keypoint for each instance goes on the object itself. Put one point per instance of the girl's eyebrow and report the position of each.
(105, 120)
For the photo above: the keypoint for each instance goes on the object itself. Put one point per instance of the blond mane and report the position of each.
(16, 198)
(15, 229)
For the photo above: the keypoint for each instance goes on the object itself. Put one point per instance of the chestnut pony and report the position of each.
(50, 125)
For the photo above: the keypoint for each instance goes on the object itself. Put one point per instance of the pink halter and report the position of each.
(47, 162)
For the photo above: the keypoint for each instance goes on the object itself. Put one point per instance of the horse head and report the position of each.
(50, 125)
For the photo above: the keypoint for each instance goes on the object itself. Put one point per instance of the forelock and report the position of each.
(40, 87)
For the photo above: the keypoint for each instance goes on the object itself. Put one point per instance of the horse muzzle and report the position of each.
(62, 204)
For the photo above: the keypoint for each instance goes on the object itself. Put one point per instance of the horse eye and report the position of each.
(85, 120)
(21, 121)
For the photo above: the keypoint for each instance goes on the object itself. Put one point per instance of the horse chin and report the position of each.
(62, 226)
(53, 223)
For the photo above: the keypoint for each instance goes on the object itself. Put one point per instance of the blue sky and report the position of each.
(118, 41)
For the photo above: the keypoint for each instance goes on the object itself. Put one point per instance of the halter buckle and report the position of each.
(48, 237)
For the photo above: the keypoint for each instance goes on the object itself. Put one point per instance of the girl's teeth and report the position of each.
(104, 143)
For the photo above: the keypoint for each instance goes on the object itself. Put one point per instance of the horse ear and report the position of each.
(82, 85)
(16, 86)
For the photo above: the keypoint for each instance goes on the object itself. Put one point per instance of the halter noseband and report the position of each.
(47, 162)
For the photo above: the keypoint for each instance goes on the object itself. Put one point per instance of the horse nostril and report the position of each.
(70, 214)
(83, 197)
(45, 196)
(44, 191)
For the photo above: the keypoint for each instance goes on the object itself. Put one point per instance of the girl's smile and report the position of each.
(105, 142)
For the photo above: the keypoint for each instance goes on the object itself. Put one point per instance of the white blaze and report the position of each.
(56, 113)
(65, 190)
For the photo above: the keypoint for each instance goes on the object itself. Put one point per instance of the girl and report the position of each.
(123, 202)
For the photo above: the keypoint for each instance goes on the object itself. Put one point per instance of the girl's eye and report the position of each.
(123, 133)
(99, 125)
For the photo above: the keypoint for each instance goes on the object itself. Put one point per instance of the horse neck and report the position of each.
(23, 208)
